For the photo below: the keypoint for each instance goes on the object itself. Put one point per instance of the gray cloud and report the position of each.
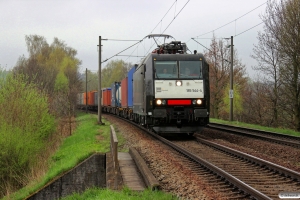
(79, 24)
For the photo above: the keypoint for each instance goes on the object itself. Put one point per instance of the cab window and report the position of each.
(166, 69)
(190, 69)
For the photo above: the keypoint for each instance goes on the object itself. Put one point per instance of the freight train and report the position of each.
(168, 92)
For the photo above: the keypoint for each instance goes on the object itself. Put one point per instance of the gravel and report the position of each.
(283, 155)
(167, 165)
(178, 178)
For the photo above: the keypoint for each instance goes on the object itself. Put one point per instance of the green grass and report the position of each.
(121, 141)
(88, 138)
(125, 194)
(258, 127)
(80, 145)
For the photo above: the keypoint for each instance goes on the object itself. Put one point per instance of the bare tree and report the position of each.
(218, 58)
(257, 103)
(219, 74)
(282, 20)
(267, 56)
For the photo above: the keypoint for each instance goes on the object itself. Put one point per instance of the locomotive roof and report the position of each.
(171, 57)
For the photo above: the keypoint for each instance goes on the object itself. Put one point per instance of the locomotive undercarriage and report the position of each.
(174, 120)
(170, 120)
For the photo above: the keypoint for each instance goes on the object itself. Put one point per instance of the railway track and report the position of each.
(257, 178)
(247, 176)
(263, 176)
(283, 139)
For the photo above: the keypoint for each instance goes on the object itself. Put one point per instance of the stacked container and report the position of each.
(85, 98)
(91, 98)
(116, 94)
(130, 87)
(124, 94)
(96, 99)
(101, 97)
(106, 96)
(80, 99)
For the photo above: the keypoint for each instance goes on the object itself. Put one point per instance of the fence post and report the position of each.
(114, 151)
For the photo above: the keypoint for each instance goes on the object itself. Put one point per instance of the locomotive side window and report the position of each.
(166, 69)
(190, 69)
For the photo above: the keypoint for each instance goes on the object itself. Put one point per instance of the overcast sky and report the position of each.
(79, 23)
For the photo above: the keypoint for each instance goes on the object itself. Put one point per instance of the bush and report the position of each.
(25, 126)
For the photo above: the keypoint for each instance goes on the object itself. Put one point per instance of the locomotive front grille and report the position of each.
(178, 112)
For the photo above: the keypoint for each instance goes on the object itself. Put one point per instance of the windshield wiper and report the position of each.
(157, 77)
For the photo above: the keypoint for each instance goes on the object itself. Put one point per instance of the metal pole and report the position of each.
(99, 85)
(231, 83)
(86, 96)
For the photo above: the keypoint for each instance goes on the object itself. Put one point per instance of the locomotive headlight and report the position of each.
(178, 83)
(199, 101)
(158, 102)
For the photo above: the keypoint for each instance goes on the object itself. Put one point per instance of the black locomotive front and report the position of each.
(171, 91)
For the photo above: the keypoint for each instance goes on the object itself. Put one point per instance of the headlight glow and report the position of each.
(178, 83)
(158, 102)
(199, 101)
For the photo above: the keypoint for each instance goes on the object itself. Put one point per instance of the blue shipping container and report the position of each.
(130, 86)
(116, 94)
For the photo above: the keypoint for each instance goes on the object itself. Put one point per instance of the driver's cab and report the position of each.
(166, 69)
(178, 69)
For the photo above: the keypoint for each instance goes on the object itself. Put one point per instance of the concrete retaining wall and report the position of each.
(89, 173)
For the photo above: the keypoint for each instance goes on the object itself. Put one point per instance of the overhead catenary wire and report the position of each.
(231, 21)
(217, 55)
(122, 51)
(197, 37)
(249, 29)
(229, 38)
(163, 16)
(144, 38)
(161, 21)
(120, 40)
(201, 44)
(176, 16)
(130, 55)
(171, 22)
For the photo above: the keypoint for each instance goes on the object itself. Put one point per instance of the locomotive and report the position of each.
(168, 92)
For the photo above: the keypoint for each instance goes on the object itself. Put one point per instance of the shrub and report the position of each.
(25, 126)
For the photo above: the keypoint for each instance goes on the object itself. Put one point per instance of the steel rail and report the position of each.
(271, 166)
(216, 170)
(258, 134)
(231, 179)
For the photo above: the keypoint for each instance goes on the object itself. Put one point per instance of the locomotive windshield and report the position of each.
(166, 69)
(178, 69)
(190, 69)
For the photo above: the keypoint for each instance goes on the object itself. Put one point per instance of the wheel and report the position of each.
(190, 134)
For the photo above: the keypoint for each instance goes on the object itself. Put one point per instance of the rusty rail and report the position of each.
(279, 138)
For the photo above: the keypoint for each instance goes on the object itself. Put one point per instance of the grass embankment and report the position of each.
(87, 139)
(125, 194)
(258, 127)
